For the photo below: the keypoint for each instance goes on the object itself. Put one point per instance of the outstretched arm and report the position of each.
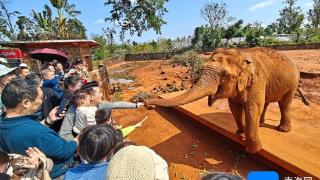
(119, 105)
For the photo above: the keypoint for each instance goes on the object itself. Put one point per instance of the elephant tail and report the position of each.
(304, 99)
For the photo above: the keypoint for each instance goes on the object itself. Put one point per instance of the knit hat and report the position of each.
(134, 163)
(4, 70)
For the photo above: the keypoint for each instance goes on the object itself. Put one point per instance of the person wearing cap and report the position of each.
(3, 60)
(6, 75)
(23, 70)
(135, 163)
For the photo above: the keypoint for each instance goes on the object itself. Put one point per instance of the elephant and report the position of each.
(250, 79)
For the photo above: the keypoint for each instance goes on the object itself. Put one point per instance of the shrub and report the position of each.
(117, 97)
(140, 97)
(191, 60)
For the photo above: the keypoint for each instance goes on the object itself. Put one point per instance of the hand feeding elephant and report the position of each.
(250, 79)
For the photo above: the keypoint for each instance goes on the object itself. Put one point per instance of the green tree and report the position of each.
(232, 30)
(137, 16)
(253, 33)
(8, 28)
(268, 31)
(314, 14)
(26, 28)
(101, 51)
(66, 21)
(75, 29)
(217, 16)
(154, 46)
(44, 24)
(197, 37)
(64, 26)
(291, 18)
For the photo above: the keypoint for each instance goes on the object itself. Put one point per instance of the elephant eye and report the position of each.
(226, 75)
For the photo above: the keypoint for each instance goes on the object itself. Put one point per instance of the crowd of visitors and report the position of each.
(55, 125)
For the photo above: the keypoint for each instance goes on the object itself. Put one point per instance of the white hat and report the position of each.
(3, 60)
(23, 65)
(137, 163)
(4, 70)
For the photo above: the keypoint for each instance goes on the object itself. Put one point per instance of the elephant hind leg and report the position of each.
(263, 115)
(238, 115)
(284, 105)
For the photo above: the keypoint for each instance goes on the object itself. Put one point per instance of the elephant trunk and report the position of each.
(206, 85)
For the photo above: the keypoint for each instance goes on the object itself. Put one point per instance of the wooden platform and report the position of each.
(297, 151)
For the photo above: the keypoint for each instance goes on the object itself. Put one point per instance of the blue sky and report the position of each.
(182, 18)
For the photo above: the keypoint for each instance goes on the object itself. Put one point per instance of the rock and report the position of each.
(162, 72)
(165, 78)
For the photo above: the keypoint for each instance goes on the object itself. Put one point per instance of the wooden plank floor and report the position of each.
(297, 151)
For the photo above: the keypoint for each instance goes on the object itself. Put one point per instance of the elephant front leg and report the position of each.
(238, 115)
(253, 113)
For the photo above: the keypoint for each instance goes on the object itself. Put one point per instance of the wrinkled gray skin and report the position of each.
(250, 79)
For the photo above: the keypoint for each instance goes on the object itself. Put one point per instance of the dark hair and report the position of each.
(76, 99)
(97, 142)
(21, 68)
(221, 176)
(18, 90)
(78, 61)
(102, 116)
(4, 158)
(34, 77)
(46, 66)
(71, 81)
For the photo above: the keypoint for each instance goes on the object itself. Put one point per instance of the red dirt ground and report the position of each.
(188, 148)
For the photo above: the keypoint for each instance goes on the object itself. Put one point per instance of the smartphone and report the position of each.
(62, 106)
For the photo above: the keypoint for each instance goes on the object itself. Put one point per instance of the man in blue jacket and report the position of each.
(20, 129)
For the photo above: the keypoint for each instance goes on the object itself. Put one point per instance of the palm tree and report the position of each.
(44, 23)
(70, 10)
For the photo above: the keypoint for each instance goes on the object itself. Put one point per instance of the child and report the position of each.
(84, 112)
(103, 116)
(96, 145)
(50, 81)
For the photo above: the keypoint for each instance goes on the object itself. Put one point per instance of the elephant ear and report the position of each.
(246, 75)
